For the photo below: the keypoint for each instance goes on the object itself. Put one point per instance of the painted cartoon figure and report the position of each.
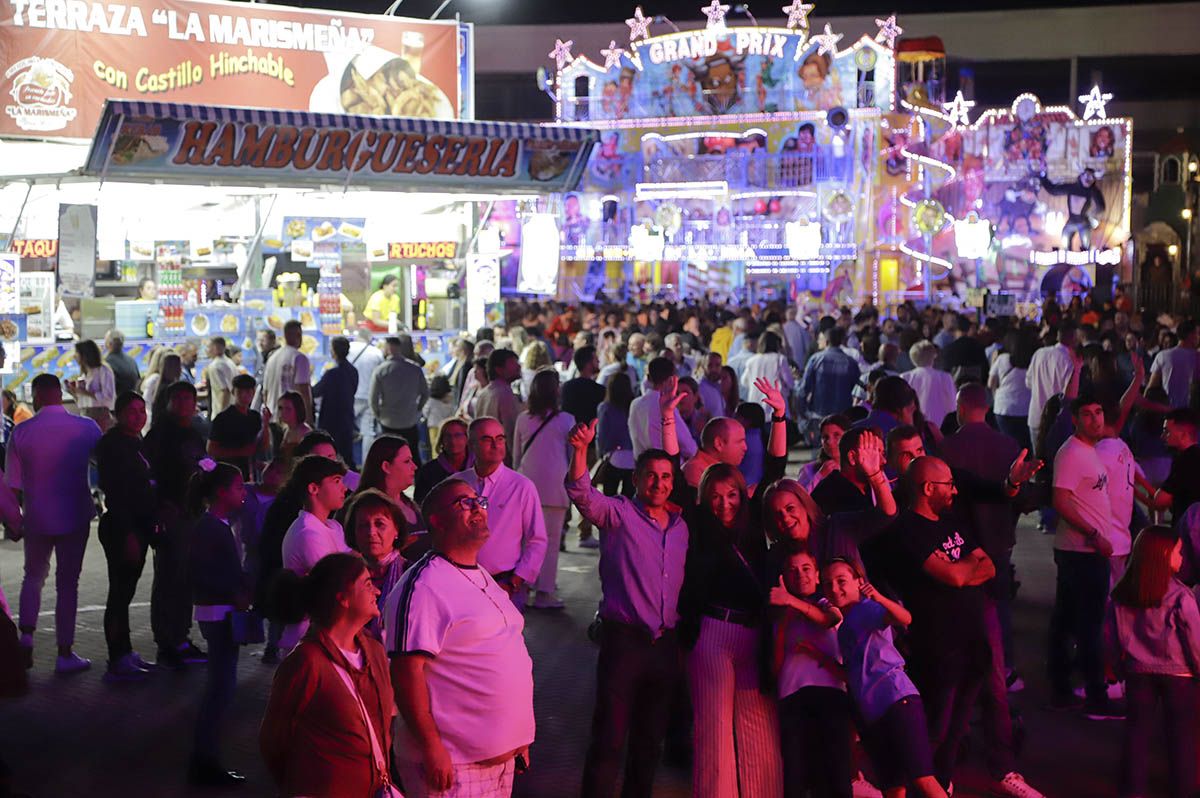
(1083, 196)
(820, 89)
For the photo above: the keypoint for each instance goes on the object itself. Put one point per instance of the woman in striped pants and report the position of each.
(724, 604)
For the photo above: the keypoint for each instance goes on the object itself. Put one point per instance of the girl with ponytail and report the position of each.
(220, 585)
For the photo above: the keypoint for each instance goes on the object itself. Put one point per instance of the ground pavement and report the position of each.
(79, 736)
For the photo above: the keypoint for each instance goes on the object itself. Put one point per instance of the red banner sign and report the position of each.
(63, 58)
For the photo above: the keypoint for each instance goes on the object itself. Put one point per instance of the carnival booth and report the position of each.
(184, 218)
(745, 159)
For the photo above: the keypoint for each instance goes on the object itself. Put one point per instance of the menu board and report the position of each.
(77, 250)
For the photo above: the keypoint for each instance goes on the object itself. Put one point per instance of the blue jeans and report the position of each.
(218, 690)
(1080, 597)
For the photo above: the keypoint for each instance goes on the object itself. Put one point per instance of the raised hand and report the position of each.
(1021, 470)
(866, 589)
(772, 396)
(669, 397)
(870, 454)
(780, 596)
(582, 435)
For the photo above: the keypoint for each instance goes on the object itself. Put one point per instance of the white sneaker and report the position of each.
(547, 601)
(1014, 784)
(1116, 691)
(861, 788)
(73, 663)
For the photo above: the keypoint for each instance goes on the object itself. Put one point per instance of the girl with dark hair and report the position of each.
(453, 455)
(1152, 638)
(327, 728)
(154, 387)
(318, 482)
(376, 529)
(293, 423)
(390, 469)
(614, 446)
(540, 453)
(220, 586)
(831, 430)
(724, 616)
(95, 390)
(729, 391)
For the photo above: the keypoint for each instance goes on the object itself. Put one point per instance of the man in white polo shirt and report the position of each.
(514, 552)
(462, 675)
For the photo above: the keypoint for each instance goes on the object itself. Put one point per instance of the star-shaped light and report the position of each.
(612, 55)
(888, 30)
(561, 52)
(959, 110)
(639, 25)
(798, 14)
(827, 41)
(715, 13)
(1095, 101)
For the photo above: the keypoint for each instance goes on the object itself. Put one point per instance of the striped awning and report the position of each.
(138, 139)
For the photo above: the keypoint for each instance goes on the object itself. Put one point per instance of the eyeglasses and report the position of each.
(949, 482)
(471, 502)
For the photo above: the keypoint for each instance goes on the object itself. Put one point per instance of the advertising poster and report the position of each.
(61, 61)
(77, 250)
(12, 333)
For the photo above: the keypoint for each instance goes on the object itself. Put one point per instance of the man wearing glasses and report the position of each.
(514, 552)
(954, 623)
(459, 664)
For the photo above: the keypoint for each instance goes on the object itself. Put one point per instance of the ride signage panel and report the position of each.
(63, 58)
(154, 140)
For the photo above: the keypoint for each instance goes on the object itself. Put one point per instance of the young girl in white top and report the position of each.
(1152, 636)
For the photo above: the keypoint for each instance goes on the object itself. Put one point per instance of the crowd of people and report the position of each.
(382, 528)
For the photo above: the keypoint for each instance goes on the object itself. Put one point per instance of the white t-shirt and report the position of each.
(219, 375)
(1012, 394)
(286, 369)
(1178, 366)
(1079, 469)
(479, 674)
(1121, 467)
(309, 539)
(1049, 373)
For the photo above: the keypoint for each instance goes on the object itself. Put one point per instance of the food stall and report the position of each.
(180, 217)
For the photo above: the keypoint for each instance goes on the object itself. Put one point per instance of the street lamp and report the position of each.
(1173, 250)
(1186, 213)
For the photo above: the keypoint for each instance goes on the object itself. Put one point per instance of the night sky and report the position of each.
(532, 12)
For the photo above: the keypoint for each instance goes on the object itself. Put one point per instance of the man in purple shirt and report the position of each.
(48, 467)
(642, 552)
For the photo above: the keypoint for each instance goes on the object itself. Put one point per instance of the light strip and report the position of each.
(711, 188)
(927, 258)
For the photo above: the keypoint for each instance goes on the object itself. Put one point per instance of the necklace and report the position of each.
(462, 569)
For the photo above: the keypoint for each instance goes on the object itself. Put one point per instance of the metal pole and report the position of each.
(440, 9)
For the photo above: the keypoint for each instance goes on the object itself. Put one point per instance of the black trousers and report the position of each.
(171, 591)
(816, 734)
(636, 679)
(1080, 597)
(125, 552)
(410, 434)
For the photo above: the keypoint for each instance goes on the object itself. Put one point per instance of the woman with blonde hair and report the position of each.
(534, 357)
(540, 452)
